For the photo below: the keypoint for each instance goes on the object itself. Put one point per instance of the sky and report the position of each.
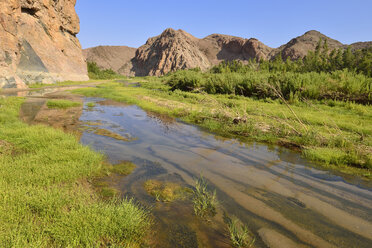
(274, 22)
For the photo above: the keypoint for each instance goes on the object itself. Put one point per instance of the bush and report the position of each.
(94, 72)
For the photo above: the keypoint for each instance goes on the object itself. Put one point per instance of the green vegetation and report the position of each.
(45, 200)
(205, 202)
(91, 104)
(62, 104)
(261, 84)
(108, 133)
(63, 83)
(94, 72)
(124, 168)
(239, 234)
(166, 191)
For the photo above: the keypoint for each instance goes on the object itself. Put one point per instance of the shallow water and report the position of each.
(283, 199)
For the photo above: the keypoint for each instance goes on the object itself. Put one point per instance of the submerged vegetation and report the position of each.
(62, 104)
(166, 191)
(204, 200)
(45, 197)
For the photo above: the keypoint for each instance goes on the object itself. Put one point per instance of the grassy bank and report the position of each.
(45, 200)
(335, 133)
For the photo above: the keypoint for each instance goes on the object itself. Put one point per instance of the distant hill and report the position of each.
(176, 49)
(299, 46)
(110, 57)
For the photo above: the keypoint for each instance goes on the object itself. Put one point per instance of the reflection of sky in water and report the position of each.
(265, 186)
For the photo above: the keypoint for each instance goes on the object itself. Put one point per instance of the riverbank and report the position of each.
(336, 134)
(45, 197)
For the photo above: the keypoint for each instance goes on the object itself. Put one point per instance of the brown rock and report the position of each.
(38, 42)
(170, 51)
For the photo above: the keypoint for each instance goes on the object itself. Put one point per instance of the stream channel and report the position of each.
(282, 198)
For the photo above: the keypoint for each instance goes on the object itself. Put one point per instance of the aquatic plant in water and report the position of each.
(205, 201)
(239, 233)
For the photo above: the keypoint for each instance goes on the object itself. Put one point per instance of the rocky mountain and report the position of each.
(360, 45)
(39, 43)
(173, 49)
(177, 49)
(299, 46)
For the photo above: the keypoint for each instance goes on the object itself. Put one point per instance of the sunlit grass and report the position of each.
(62, 104)
(239, 234)
(204, 200)
(45, 197)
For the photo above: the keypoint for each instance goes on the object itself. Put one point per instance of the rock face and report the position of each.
(38, 42)
(176, 49)
(219, 47)
(170, 51)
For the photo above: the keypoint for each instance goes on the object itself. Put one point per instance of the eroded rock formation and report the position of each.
(38, 42)
(172, 50)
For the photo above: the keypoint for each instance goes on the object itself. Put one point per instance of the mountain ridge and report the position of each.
(176, 49)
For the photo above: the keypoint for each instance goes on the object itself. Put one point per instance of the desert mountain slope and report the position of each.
(172, 50)
(299, 46)
(177, 49)
(110, 57)
(38, 42)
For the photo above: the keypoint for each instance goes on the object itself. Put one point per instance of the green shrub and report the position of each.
(94, 72)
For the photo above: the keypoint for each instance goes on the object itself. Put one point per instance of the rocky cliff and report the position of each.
(176, 49)
(38, 42)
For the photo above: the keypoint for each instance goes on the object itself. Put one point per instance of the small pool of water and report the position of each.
(283, 200)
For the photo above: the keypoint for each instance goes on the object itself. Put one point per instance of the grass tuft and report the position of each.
(205, 201)
(239, 234)
(62, 104)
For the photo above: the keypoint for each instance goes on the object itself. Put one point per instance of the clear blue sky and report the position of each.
(274, 22)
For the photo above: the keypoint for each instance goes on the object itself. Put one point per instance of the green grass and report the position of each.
(239, 234)
(91, 104)
(63, 83)
(62, 104)
(345, 127)
(45, 200)
(205, 201)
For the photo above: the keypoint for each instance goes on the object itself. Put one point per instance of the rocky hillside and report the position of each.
(38, 42)
(299, 46)
(176, 49)
(110, 57)
(167, 52)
